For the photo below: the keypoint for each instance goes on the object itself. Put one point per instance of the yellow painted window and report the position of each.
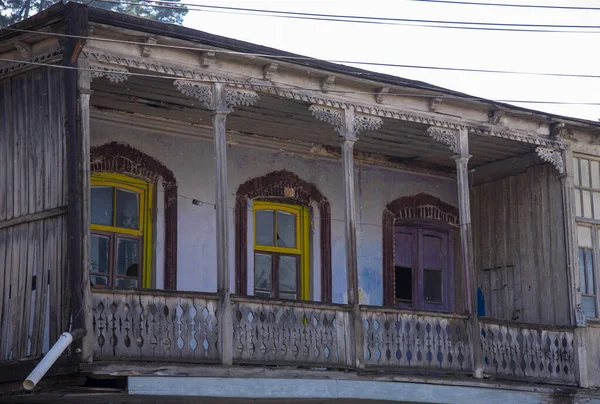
(121, 231)
(281, 251)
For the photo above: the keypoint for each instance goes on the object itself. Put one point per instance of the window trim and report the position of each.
(427, 210)
(302, 242)
(146, 196)
(116, 157)
(591, 222)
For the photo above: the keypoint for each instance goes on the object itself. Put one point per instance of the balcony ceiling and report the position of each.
(274, 117)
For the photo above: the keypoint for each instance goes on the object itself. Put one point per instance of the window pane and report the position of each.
(264, 227)
(403, 283)
(262, 272)
(128, 209)
(578, 211)
(291, 296)
(589, 266)
(99, 280)
(262, 293)
(99, 254)
(595, 174)
(588, 304)
(286, 229)
(585, 172)
(432, 286)
(584, 236)
(587, 203)
(576, 171)
(127, 257)
(102, 205)
(127, 283)
(288, 267)
(596, 198)
(582, 283)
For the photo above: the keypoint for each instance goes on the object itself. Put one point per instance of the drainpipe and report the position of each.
(53, 354)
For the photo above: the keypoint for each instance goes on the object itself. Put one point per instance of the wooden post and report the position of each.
(576, 313)
(219, 117)
(77, 135)
(466, 242)
(347, 139)
(84, 93)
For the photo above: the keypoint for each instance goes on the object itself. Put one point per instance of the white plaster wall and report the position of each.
(191, 160)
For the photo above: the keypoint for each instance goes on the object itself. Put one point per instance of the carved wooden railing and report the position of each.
(402, 339)
(294, 333)
(527, 351)
(154, 325)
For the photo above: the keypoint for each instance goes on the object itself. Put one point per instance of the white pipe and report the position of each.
(53, 354)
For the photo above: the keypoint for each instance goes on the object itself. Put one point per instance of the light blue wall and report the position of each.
(191, 160)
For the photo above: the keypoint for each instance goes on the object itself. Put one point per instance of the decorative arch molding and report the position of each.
(283, 186)
(124, 159)
(416, 207)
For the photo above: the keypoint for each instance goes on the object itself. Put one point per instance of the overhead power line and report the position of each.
(465, 25)
(306, 58)
(416, 95)
(474, 3)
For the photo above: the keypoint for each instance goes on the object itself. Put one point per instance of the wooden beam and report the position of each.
(33, 217)
(466, 241)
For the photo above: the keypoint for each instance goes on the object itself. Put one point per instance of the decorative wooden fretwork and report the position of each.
(293, 333)
(154, 325)
(551, 156)
(528, 352)
(395, 339)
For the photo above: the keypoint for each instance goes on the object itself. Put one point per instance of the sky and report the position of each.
(409, 45)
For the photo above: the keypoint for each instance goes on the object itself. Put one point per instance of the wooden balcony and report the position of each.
(183, 327)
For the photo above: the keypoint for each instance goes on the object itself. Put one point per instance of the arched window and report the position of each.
(418, 253)
(124, 184)
(280, 236)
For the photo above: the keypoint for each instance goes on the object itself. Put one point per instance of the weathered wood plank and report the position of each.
(32, 217)
(41, 290)
(544, 268)
(513, 248)
(530, 309)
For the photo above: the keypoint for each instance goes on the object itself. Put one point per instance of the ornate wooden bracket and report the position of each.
(342, 123)
(113, 74)
(146, 50)
(204, 92)
(444, 136)
(552, 156)
(269, 70)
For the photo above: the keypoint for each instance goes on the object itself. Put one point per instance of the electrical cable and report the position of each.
(466, 25)
(547, 7)
(305, 58)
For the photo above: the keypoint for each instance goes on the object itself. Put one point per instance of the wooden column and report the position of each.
(84, 92)
(466, 241)
(347, 144)
(219, 117)
(220, 100)
(576, 313)
(348, 125)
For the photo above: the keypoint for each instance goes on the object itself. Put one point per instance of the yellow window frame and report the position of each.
(302, 249)
(145, 191)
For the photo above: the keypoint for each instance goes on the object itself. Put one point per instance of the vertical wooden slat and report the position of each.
(487, 252)
(514, 251)
(525, 249)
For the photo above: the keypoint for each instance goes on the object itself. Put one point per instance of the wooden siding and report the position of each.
(32, 206)
(519, 247)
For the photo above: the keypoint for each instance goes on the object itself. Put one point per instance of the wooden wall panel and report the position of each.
(518, 233)
(32, 212)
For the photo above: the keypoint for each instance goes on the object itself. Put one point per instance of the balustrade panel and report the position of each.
(395, 339)
(525, 351)
(154, 325)
(295, 333)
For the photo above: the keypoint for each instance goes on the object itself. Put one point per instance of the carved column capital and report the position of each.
(113, 74)
(444, 136)
(552, 156)
(345, 121)
(205, 92)
(235, 97)
(200, 91)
